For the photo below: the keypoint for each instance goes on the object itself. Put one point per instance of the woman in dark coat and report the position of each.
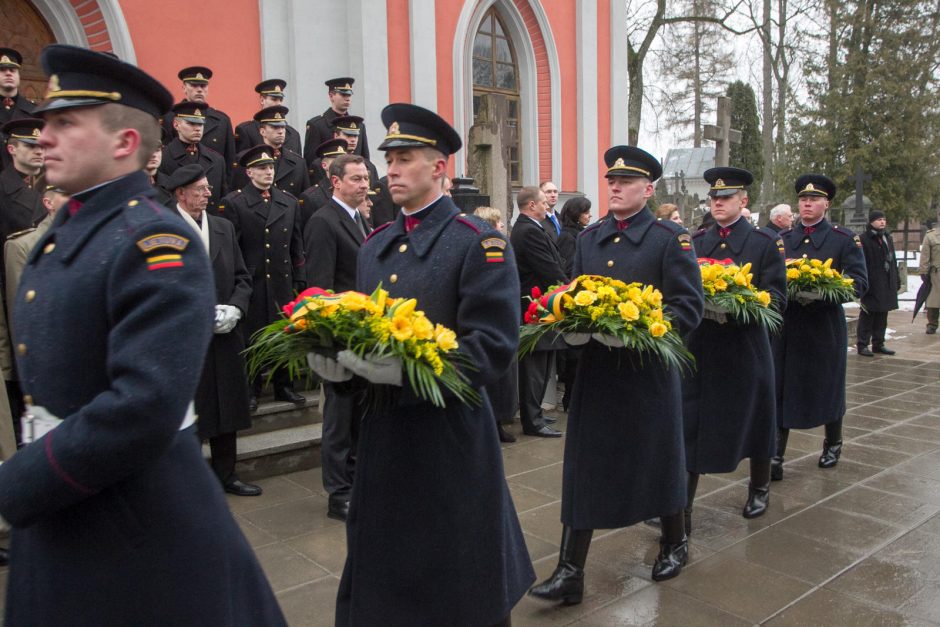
(575, 215)
(883, 281)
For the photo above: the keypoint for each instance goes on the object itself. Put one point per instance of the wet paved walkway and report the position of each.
(855, 545)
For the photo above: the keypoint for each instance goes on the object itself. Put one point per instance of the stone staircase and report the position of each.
(282, 439)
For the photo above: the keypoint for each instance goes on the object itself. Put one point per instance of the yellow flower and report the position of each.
(405, 308)
(658, 329)
(829, 273)
(740, 280)
(354, 301)
(584, 298)
(423, 329)
(445, 338)
(816, 263)
(401, 328)
(654, 298)
(589, 285)
(656, 314)
(793, 274)
(763, 298)
(636, 295)
(721, 285)
(380, 300)
(628, 311)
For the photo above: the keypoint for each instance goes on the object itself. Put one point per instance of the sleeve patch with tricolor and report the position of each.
(493, 248)
(685, 241)
(162, 247)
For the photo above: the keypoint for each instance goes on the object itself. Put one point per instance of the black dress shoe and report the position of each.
(931, 331)
(830, 455)
(287, 394)
(757, 501)
(776, 468)
(504, 436)
(4, 557)
(252, 403)
(338, 508)
(566, 585)
(544, 432)
(240, 488)
(884, 351)
(864, 351)
(671, 559)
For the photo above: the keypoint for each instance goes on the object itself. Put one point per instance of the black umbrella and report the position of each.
(922, 295)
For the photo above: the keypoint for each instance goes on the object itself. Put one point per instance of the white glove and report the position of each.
(576, 339)
(385, 371)
(328, 369)
(226, 317)
(608, 340)
(37, 422)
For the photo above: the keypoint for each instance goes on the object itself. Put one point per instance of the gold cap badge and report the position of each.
(5, 59)
(35, 132)
(353, 125)
(265, 155)
(810, 188)
(200, 76)
(54, 83)
(720, 183)
(619, 163)
(393, 129)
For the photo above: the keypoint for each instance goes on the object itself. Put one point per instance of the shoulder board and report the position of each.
(286, 193)
(843, 232)
(377, 230)
(592, 227)
(764, 233)
(699, 233)
(13, 236)
(465, 220)
(785, 232)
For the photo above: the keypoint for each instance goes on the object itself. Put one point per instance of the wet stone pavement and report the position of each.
(855, 545)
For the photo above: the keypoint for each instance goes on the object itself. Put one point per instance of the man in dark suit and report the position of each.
(113, 490)
(332, 239)
(15, 105)
(320, 193)
(780, 218)
(442, 466)
(270, 236)
(320, 127)
(218, 133)
(290, 171)
(247, 134)
(158, 179)
(20, 202)
(187, 148)
(222, 396)
(540, 266)
(551, 218)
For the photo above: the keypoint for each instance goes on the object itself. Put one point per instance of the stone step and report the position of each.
(277, 452)
(273, 415)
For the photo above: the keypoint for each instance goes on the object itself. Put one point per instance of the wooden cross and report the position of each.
(722, 133)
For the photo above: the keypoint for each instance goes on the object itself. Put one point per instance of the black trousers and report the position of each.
(533, 379)
(871, 328)
(341, 416)
(223, 448)
(933, 317)
(280, 379)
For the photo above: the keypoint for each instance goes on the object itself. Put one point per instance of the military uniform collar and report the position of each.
(640, 222)
(817, 237)
(434, 219)
(736, 237)
(71, 232)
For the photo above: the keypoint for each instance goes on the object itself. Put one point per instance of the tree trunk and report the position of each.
(767, 142)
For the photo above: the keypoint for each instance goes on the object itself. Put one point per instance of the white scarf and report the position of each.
(202, 229)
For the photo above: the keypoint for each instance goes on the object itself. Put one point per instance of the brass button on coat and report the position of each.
(610, 264)
(49, 248)
(21, 349)
(30, 295)
(403, 248)
(393, 278)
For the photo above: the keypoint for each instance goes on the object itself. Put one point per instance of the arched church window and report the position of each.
(495, 71)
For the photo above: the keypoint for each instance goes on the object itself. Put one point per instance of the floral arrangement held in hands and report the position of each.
(610, 311)
(811, 280)
(729, 293)
(374, 327)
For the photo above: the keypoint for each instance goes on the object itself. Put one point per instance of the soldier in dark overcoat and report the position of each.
(271, 240)
(218, 134)
(721, 429)
(458, 557)
(320, 127)
(13, 105)
(186, 149)
(881, 263)
(624, 456)
(814, 339)
(290, 171)
(20, 199)
(319, 194)
(222, 396)
(247, 134)
(113, 491)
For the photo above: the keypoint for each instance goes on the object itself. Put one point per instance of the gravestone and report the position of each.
(858, 203)
(488, 151)
(466, 196)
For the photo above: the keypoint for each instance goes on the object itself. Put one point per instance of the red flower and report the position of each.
(536, 292)
(544, 301)
(532, 313)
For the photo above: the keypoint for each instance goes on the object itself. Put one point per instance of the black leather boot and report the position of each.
(776, 462)
(567, 582)
(832, 447)
(758, 491)
(691, 487)
(673, 548)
